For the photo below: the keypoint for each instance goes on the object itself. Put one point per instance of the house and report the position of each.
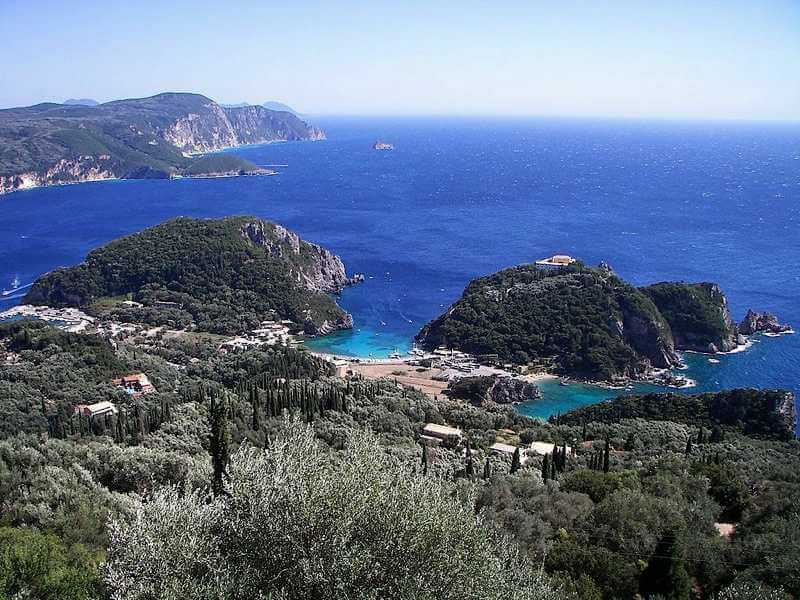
(507, 450)
(99, 409)
(136, 385)
(546, 448)
(558, 261)
(434, 434)
(342, 367)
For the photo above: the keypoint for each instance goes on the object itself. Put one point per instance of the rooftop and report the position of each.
(436, 430)
(557, 260)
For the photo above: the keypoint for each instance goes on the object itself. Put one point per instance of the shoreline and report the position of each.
(99, 179)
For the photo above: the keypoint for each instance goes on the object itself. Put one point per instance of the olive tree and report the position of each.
(300, 521)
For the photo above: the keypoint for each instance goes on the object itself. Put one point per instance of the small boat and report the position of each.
(14, 287)
(714, 361)
(562, 382)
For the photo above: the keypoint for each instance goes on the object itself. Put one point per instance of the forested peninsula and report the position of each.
(584, 322)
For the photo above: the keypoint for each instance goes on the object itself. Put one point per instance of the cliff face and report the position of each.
(206, 130)
(214, 128)
(697, 314)
(256, 125)
(312, 266)
(50, 144)
(76, 170)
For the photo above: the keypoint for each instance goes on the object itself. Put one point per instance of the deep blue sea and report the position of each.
(459, 198)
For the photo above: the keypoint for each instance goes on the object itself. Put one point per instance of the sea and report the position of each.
(458, 198)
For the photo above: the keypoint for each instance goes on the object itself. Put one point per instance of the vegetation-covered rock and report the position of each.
(583, 321)
(767, 414)
(697, 314)
(222, 275)
(325, 510)
(298, 523)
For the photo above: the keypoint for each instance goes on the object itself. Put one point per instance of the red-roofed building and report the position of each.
(136, 385)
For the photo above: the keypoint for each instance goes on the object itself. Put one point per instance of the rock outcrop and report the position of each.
(756, 322)
(72, 170)
(482, 390)
(510, 390)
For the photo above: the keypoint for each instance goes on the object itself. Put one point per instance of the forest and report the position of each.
(203, 273)
(259, 474)
(582, 321)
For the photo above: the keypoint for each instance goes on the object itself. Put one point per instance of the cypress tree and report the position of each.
(665, 574)
(487, 469)
(424, 460)
(688, 450)
(516, 461)
(219, 442)
(607, 456)
(546, 468)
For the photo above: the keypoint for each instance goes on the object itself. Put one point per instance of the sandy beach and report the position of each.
(410, 375)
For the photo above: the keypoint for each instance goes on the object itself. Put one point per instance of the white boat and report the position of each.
(14, 287)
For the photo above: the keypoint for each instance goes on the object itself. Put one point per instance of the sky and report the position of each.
(707, 59)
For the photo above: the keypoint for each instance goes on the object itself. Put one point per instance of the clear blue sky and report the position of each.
(648, 58)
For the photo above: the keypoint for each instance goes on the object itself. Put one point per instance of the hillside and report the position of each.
(50, 143)
(579, 320)
(219, 275)
(259, 474)
(765, 414)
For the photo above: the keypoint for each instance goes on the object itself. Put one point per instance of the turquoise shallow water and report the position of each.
(461, 198)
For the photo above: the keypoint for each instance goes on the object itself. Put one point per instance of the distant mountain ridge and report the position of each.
(155, 137)
(80, 102)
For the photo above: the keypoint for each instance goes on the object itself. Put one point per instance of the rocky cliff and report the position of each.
(50, 144)
(697, 314)
(314, 267)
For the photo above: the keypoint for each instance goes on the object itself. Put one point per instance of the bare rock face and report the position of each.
(215, 128)
(74, 170)
(788, 412)
(204, 131)
(650, 336)
(315, 267)
(756, 322)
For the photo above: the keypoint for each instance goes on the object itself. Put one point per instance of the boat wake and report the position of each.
(14, 288)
